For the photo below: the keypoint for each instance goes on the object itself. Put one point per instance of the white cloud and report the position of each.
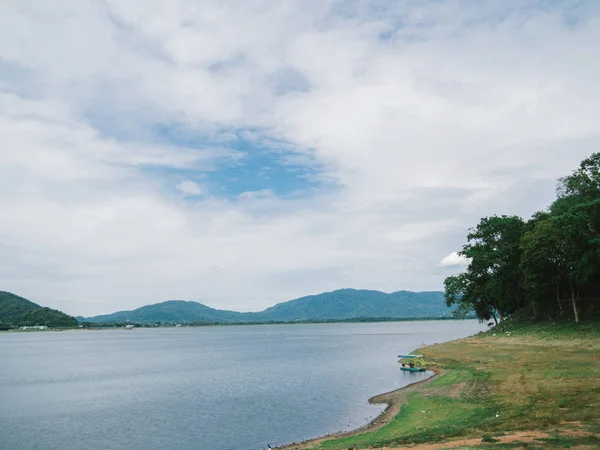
(423, 117)
(252, 195)
(453, 260)
(190, 188)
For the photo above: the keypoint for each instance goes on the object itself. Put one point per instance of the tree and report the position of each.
(539, 265)
(584, 182)
(493, 248)
(469, 295)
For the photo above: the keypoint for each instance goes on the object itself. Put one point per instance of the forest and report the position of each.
(544, 268)
(17, 312)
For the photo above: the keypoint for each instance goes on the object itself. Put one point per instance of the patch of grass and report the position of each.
(566, 441)
(458, 375)
(420, 420)
(541, 376)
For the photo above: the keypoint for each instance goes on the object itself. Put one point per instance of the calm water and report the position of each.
(215, 388)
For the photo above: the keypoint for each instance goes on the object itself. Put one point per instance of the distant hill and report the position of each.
(351, 303)
(343, 304)
(12, 305)
(17, 311)
(172, 311)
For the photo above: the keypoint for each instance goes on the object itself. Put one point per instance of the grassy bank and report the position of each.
(535, 386)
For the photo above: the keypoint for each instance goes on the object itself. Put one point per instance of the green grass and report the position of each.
(456, 375)
(552, 443)
(536, 377)
(421, 419)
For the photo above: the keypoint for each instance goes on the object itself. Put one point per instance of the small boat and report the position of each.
(412, 363)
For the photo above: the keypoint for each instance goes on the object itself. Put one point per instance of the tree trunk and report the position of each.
(494, 317)
(558, 299)
(574, 302)
(559, 304)
(533, 307)
(492, 306)
(500, 313)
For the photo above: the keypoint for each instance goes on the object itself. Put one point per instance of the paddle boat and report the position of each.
(412, 363)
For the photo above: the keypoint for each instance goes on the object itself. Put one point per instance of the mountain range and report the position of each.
(343, 304)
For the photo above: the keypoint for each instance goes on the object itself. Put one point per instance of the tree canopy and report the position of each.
(543, 268)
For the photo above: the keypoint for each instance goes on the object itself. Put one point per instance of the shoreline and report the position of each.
(243, 324)
(470, 400)
(293, 322)
(394, 401)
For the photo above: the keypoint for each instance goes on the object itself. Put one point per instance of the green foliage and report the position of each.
(12, 305)
(584, 182)
(548, 267)
(488, 438)
(17, 311)
(46, 316)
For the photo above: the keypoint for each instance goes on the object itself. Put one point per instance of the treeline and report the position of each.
(46, 316)
(213, 323)
(51, 318)
(547, 267)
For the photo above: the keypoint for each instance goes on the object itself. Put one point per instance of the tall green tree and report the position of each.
(549, 265)
(543, 265)
(493, 248)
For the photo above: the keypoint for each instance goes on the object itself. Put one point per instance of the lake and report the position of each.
(218, 388)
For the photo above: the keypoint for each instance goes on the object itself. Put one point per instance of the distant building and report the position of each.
(129, 327)
(35, 327)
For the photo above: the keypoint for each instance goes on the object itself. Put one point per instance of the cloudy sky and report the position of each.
(242, 153)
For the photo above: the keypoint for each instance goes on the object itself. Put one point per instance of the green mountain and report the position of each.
(172, 311)
(12, 305)
(343, 304)
(346, 304)
(17, 311)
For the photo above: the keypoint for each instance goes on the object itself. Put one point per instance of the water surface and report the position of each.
(218, 388)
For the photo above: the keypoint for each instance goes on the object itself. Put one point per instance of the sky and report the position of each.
(243, 153)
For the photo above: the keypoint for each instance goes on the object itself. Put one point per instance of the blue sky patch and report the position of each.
(242, 160)
(250, 162)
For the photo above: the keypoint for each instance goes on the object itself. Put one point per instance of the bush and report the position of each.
(488, 438)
